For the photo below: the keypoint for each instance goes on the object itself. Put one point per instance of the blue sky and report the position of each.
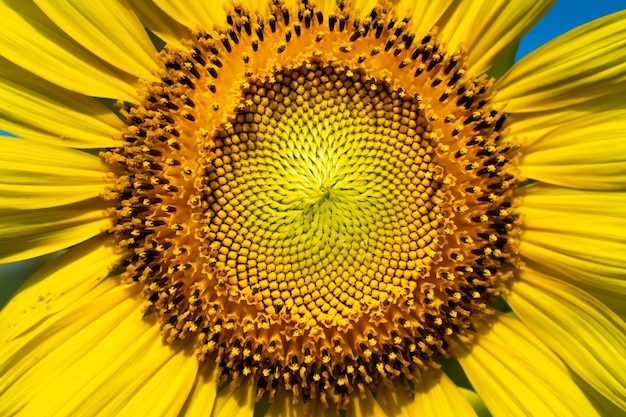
(566, 15)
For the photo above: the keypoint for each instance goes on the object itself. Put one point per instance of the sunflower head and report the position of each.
(311, 208)
(322, 201)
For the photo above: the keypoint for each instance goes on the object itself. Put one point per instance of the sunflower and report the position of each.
(311, 208)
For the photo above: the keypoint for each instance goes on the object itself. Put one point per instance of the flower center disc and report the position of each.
(320, 196)
(322, 218)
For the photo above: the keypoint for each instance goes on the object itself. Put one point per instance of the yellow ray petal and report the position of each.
(57, 344)
(164, 392)
(605, 282)
(92, 357)
(159, 22)
(202, 396)
(434, 395)
(109, 29)
(106, 365)
(442, 398)
(425, 15)
(548, 209)
(35, 176)
(55, 303)
(578, 234)
(569, 200)
(283, 406)
(601, 403)
(32, 41)
(587, 153)
(582, 261)
(533, 126)
(516, 375)
(235, 401)
(67, 280)
(365, 407)
(487, 27)
(83, 345)
(40, 110)
(399, 402)
(30, 233)
(563, 224)
(583, 64)
(591, 248)
(586, 335)
(194, 14)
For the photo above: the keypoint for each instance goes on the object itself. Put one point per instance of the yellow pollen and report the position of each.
(321, 204)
